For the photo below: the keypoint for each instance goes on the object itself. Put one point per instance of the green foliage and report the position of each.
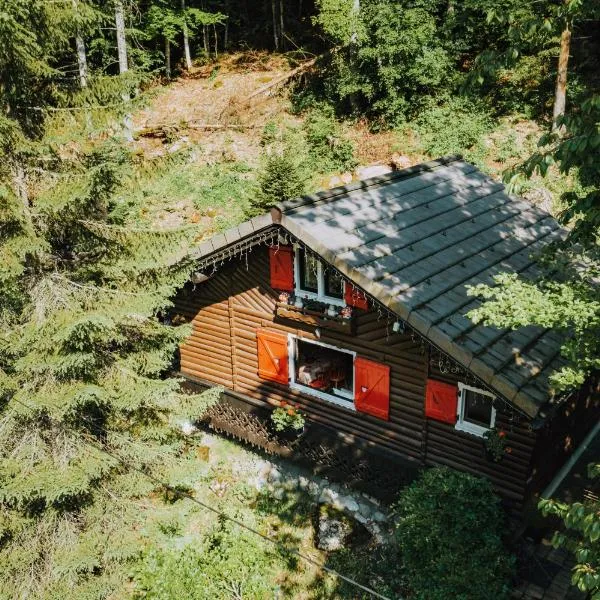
(282, 177)
(287, 417)
(495, 443)
(379, 567)
(581, 536)
(227, 563)
(82, 359)
(457, 126)
(574, 147)
(328, 149)
(571, 307)
(449, 535)
(565, 297)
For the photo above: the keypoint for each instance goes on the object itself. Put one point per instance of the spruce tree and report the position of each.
(83, 365)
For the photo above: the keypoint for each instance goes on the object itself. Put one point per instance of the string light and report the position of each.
(274, 237)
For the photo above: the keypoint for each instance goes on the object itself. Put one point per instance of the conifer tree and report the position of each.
(83, 360)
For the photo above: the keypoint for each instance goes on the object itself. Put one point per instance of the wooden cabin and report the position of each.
(351, 304)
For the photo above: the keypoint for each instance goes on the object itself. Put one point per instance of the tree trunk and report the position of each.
(281, 29)
(205, 38)
(123, 64)
(121, 42)
(186, 40)
(275, 36)
(226, 32)
(81, 56)
(216, 41)
(560, 96)
(168, 58)
(356, 11)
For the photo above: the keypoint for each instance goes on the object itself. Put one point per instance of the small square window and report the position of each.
(476, 412)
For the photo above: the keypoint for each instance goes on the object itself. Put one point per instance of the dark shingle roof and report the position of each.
(414, 240)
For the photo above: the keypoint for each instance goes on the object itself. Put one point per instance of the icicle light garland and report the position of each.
(275, 237)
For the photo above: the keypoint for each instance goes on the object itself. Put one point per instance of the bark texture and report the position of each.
(560, 96)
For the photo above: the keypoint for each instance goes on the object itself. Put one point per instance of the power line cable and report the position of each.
(182, 494)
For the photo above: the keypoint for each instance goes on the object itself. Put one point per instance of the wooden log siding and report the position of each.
(227, 310)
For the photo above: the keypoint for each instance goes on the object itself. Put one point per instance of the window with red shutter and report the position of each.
(281, 260)
(441, 401)
(372, 388)
(272, 355)
(354, 297)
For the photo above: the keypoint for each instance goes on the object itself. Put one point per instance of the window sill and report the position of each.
(294, 313)
(471, 429)
(333, 399)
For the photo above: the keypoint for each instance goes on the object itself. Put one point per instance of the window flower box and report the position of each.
(314, 318)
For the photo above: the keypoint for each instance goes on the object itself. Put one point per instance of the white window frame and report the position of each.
(345, 399)
(319, 295)
(467, 426)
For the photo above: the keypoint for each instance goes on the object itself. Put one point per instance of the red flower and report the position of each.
(290, 412)
(501, 433)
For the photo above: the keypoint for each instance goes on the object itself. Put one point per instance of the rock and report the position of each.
(349, 503)
(379, 517)
(372, 171)
(361, 519)
(278, 493)
(274, 474)
(303, 482)
(328, 495)
(335, 181)
(333, 528)
(346, 178)
(400, 161)
(188, 428)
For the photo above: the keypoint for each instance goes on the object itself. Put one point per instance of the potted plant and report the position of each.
(495, 444)
(287, 421)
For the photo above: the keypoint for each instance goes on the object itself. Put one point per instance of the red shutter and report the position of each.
(272, 355)
(441, 401)
(354, 297)
(281, 259)
(372, 388)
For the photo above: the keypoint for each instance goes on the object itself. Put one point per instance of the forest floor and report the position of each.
(208, 127)
(276, 498)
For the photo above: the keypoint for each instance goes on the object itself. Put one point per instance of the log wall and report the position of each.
(227, 310)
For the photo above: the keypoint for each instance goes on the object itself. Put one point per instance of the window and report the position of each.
(476, 413)
(315, 281)
(322, 370)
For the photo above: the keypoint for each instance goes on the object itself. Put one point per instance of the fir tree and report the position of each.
(84, 357)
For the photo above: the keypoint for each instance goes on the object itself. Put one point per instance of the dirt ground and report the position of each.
(217, 108)
(221, 109)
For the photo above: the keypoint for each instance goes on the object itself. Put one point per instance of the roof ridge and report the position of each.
(364, 184)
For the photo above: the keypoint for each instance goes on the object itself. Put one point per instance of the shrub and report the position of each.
(456, 126)
(226, 564)
(283, 176)
(287, 417)
(449, 535)
(329, 150)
